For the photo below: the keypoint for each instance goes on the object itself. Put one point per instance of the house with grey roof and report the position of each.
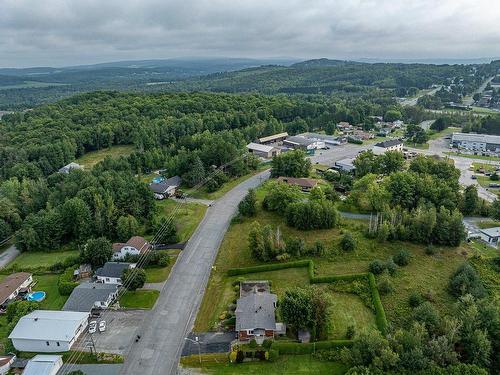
(165, 188)
(88, 296)
(388, 145)
(255, 314)
(111, 272)
(298, 142)
(490, 235)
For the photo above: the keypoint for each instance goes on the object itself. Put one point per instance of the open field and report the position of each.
(92, 158)
(187, 216)
(139, 299)
(285, 364)
(33, 260)
(426, 274)
(159, 274)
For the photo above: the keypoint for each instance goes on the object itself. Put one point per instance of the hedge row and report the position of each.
(65, 284)
(270, 267)
(380, 317)
(299, 348)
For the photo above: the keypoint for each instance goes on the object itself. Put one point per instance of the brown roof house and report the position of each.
(306, 184)
(134, 246)
(13, 286)
(255, 312)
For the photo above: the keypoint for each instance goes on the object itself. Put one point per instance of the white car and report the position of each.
(102, 326)
(93, 326)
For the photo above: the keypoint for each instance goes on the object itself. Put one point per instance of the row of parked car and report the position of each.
(93, 327)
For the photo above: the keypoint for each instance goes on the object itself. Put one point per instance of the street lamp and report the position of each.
(196, 341)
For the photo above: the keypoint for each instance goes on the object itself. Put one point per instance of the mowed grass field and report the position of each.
(139, 299)
(29, 260)
(92, 158)
(425, 274)
(187, 216)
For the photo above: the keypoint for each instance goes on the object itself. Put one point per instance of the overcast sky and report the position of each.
(68, 32)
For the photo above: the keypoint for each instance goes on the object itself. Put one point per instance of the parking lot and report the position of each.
(121, 327)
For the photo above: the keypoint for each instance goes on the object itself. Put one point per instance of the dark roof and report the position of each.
(11, 283)
(85, 295)
(299, 140)
(256, 311)
(112, 269)
(389, 143)
(161, 187)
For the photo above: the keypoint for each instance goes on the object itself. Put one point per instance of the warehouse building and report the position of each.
(264, 151)
(476, 142)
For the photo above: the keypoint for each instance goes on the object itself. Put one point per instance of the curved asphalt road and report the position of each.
(164, 328)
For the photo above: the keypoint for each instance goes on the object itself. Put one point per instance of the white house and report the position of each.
(165, 188)
(14, 284)
(389, 145)
(48, 331)
(134, 246)
(490, 235)
(43, 365)
(111, 272)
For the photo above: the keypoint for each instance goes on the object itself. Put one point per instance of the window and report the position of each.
(46, 342)
(107, 278)
(58, 344)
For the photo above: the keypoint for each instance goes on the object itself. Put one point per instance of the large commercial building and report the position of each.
(476, 142)
(302, 143)
(261, 150)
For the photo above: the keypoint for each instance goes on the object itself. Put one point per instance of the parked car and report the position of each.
(93, 326)
(102, 326)
(474, 177)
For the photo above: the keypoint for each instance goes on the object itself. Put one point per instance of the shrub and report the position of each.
(267, 343)
(350, 333)
(252, 344)
(65, 284)
(415, 299)
(430, 250)
(348, 243)
(232, 356)
(385, 286)
(248, 206)
(427, 314)
(391, 267)
(273, 355)
(240, 356)
(402, 258)
(376, 267)
(465, 280)
(307, 215)
(134, 277)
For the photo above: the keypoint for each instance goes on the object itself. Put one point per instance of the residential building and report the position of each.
(69, 167)
(261, 150)
(48, 331)
(43, 365)
(389, 145)
(134, 246)
(13, 285)
(276, 139)
(345, 165)
(362, 135)
(490, 235)
(88, 296)
(83, 271)
(5, 362)
(302, 143)
(111, 272)
(255, 312)
(306, 184)
(476, 142)
(165, 188)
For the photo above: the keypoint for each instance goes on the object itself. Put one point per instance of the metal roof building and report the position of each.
(87, 296)
(43, 365)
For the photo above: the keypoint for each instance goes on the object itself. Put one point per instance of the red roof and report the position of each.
(137, 242)
(302, 182)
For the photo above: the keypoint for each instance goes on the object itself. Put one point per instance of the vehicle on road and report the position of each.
(474, 177)
(93, 326)
(102, 326)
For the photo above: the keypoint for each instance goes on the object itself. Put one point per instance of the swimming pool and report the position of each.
(35, 296)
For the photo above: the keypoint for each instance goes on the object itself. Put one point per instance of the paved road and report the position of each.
(470, 101)
(413, 101)
(8, 256)
(163, 330)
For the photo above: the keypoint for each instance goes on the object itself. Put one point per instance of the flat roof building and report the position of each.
(263, 150)
(303, 143)
(275, 138)
(476, 142)
(43, 365)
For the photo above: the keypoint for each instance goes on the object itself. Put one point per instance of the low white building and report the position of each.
(43, 365)
(111, 272)
(261, 150)
(48, 331)
(389, 145)
(476, 142)
(346, 165)
(490, 235)
(303, 143)
(134, 246)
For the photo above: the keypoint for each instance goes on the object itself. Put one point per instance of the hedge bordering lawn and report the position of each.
(380, 317)
(299, 348)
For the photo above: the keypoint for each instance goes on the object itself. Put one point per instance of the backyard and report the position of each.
(92, 158)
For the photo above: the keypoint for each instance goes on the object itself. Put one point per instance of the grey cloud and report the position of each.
(62, 32)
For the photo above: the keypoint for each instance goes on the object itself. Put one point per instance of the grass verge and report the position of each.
(139, 299)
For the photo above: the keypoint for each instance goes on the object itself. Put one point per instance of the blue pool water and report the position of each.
(157, 180)
(36, 296)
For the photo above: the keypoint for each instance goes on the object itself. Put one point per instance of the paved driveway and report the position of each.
(8, 256)
(163, 332)
(210, 342)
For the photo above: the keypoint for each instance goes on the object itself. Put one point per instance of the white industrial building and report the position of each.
(48, 331)
(302, 143)
(389, 145)
(476, 142)
(261, 150)
(43, 365)
(490, 235)
(345, 165)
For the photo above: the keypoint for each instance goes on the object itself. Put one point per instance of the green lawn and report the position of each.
(297, 364)
(425, 273)
(488, 224)
(435, 135)
(203, 194)
(484, 250)
(139, 299)
(92, 158)
(187, 216)
(48, 283)
(479, 157)
(159, 274)
(33, 260)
